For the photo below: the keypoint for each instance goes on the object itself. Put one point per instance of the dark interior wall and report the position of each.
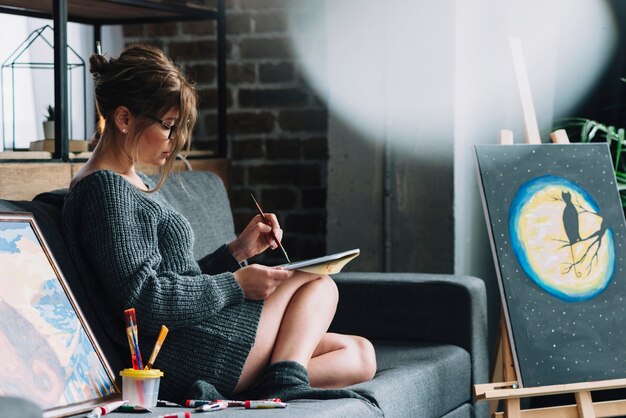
(277, 126)
(279, 137)
(606, 101)
(391, 133)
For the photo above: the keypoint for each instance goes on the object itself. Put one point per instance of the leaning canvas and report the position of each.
(48, 352)
(557, 232)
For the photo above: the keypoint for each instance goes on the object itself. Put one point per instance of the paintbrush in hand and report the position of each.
(266, 221)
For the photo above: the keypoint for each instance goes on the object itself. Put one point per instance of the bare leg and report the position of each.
(306, 321)
(293, 327)
(322, 295)
(341, 360)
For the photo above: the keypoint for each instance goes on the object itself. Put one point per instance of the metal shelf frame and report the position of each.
(118, 12)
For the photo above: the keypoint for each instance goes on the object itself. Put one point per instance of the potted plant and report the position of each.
(584, 129)
(48, 124)
(587, 130)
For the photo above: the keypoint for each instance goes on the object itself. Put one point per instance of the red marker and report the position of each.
(264, 405)
(186, 414)
(232, 403)
(193, 403)
(213, 406)
(103, 410)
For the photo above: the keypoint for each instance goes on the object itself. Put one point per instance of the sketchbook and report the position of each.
(329, 264)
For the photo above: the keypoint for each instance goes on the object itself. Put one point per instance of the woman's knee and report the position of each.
(367, 357)
(328, 289)
(326, 293)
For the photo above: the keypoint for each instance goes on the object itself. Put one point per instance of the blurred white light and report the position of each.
(410, 67)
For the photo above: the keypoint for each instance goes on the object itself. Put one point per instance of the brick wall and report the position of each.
(277, 126)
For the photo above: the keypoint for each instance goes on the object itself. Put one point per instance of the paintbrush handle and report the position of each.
(157, 346)
(268, 223)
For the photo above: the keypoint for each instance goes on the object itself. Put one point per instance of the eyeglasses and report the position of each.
(171, 127)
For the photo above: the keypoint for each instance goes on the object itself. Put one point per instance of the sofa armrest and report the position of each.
(449, 309)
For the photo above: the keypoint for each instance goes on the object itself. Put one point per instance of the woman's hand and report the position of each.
(256, 237)
(258, 282)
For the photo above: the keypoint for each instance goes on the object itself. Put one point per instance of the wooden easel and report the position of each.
(510, 390)
(510, 393)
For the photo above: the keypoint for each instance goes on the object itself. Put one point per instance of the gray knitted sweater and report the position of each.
(132, 249)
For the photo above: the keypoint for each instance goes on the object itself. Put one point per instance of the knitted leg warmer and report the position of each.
(289, 380)
(203, 390)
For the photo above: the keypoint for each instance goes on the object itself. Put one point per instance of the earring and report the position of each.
(124, 131)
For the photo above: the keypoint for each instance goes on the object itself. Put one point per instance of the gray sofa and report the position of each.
(429, 330)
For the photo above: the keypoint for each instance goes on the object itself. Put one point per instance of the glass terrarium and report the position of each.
(27, 82)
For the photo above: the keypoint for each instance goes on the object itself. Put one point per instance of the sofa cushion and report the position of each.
(11, 407)
(200, 197)
(464, 411)
(301, 408)
(419, 379)
(408, 383)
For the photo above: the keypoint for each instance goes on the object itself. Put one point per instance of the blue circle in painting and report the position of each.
(560, 239)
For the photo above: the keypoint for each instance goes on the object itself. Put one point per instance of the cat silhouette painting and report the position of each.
(560, 239)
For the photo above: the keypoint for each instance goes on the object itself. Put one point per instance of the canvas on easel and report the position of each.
(557, 231)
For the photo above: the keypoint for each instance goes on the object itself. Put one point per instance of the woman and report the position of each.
(236, 328)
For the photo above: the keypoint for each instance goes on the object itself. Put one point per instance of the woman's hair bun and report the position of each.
(97, 64)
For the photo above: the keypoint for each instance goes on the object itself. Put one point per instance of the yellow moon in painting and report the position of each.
(559, 237)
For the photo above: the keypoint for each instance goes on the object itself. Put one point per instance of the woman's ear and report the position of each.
(122, 117)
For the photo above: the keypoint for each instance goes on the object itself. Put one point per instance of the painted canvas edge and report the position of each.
(494, 253)
(85, 406)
